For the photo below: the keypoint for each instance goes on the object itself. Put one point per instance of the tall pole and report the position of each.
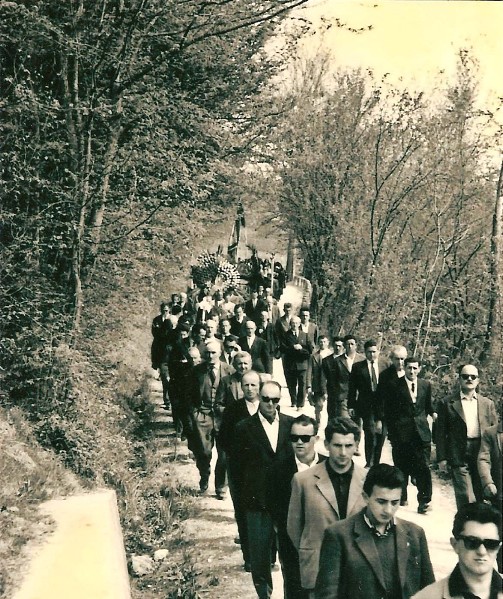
(272, 272)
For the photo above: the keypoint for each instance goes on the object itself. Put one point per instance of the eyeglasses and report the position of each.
(268, 399)
(303, 438)
(469, 377)
(473, 543)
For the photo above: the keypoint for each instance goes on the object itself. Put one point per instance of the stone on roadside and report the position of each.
(142, 564)
(160, 554)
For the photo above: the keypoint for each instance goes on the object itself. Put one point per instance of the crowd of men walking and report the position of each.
(331, 522)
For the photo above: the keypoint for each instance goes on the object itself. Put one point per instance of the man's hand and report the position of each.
(442, 465)
(297, 346)
(490, 490)
(378, 427)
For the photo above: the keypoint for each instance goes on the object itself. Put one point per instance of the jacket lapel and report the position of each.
(457, 407)
(326, 488)
(261, 434)
(365, 542)
(402, 551)
(355, 488)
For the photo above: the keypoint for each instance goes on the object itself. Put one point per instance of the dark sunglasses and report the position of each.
(473, 543)
(469, 377)
(268, 399)
(303, 438)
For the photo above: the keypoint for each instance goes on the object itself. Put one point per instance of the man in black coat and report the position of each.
(406, 411)
(265, 330)
(303, 437)
(261, 441)
(254, 306)
(296, 358)
(362, 404)
(257, 348)
(238, 322)
(163, 337)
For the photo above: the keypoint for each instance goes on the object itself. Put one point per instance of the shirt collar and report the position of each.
(458, 586)
(390, 526)
(263, 419)
(315, 461)
(463, 396)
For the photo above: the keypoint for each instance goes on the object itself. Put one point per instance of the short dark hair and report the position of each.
(305, 420)
(231, 338)
(337, 338)
(305, 309)
(238, 306)
(348, 337)
(476, 512)
(383, 475)
(287, 305)
(370, 343)
(197, 327)
(412, 360)
(342, 426)
(323, 337)
(176, 309)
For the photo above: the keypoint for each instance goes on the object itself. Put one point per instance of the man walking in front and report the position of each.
(372, 555)
(462, 419)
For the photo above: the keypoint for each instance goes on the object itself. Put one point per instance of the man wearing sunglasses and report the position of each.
(303, 437)
(476, 538)
(260, 442)
(462, 419)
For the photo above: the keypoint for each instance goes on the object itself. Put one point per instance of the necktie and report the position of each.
(413, 388)
(374, 376)
(212, 375)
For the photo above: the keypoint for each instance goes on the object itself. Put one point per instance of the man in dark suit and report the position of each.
(406, 410)
(272, 309)
(324, 494)
(462, 419)
(316, 382)
(163, 337)
(308, 327)
(336, 370)
(282, 327)
(205, 380)
(489, 461)
(372, 555)
(238, 322)
(261, 441)
(254, 306)
(265, 331)
(387, 380)
(257, 348)
(303, 436)
(297, 353)
(234, 413)
(362, 403)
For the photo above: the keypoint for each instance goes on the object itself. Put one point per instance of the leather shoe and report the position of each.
(422, 508)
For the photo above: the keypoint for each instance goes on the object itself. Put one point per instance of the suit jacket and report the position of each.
(350, 567)
(162, 332)
(312, 333)
(280, 488)
(261, 358)
(489, 460)
(282, 327)
(361, 398)
(336, 373)
(268, 334)
(451, 426)
(296, 359)
(440, 590)
(238, 329)
(315, 379)
(274, 314)
(202, 392)
(313, 507)
(387, 379)
(228, 392)
(407, 420)
(254, 312)
(255, 457)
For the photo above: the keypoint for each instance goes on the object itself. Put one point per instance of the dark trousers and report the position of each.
(260, 539)
(296, 383)
(164, 374)
(220, 468)
(465, 478)
(337, 406)
(201, 444)
(289, 560)
(373, 441)
(239, 513)
(318, 401)
(413, 460)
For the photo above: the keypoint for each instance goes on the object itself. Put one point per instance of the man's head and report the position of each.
(199, 332)
(476, 538)
(264, 317)
(230, 343)
(183, 329)
(213, 349)
(371, 350)
(338, 345)
(183, 297)
(238, 311)
(341, 440)
(270, 395)
(305, 315)
(412, 367)
(295, 324)
(397, 356)
(225, 327)
(250, 327)
(164, 308)
(382, 490)
(323, 342)
(303, 436)
(175, 298)
(260, 290)
(254, 294)
(287, 308)
(242, 362)
(468, 378)
(350, 345)
(227, 296)
(211, 327)
(250, 383)
(195, 355)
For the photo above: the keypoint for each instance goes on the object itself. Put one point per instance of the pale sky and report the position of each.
(414, 40)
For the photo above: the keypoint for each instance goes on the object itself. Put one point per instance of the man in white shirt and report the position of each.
(261, 441)
(462, 419)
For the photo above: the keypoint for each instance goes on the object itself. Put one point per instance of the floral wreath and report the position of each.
(215, 269)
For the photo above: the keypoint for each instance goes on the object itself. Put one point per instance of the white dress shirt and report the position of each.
(470, 409)
(349, 362)
(271, 430)
(413, 394)
(252, 406)
(301, 466)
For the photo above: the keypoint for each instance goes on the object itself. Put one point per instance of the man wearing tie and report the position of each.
(307, 326)
(297, 353)
(254, 306)
(257, 348)
(406, 410)
(204, 383)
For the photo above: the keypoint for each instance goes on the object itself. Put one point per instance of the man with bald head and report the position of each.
(463, 417)
(257, 348)
(205, 380)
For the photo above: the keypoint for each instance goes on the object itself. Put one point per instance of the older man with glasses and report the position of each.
(260, 442)
(462, 419)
